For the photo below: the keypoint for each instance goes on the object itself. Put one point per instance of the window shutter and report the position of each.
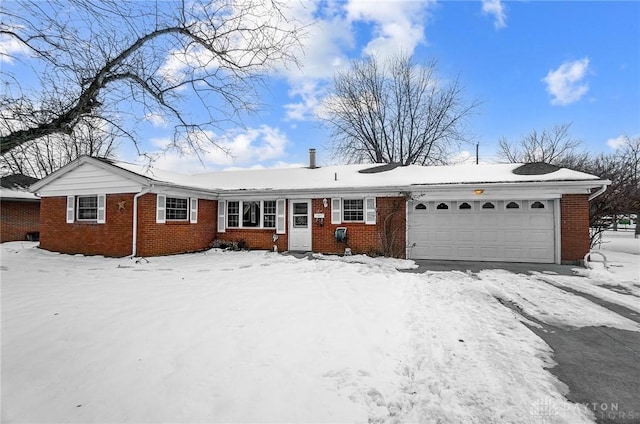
(71, 209)
(336, 211)
(370, 210)
(161, 214)
(281, 227)
(102, 213)
(222, 207)
(193, 213)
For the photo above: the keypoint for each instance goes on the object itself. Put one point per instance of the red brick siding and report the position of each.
(18, 219)
(174, 236)
(361, 238)
(112, 238)
(574, 227)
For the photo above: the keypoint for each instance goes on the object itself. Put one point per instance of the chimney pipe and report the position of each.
(312, 158)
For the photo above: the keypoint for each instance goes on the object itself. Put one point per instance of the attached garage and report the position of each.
(483, 230)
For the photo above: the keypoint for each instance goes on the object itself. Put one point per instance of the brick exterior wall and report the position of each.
(18, 218)
(174, 236)
(574, 227)
(361, 238)
(115, 236)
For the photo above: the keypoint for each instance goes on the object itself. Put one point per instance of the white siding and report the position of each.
(89, 179)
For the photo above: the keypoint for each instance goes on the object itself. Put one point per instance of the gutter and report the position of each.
(599, 192)
(134, 242)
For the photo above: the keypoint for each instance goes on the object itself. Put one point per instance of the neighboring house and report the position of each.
(506, 212)
(20, 209)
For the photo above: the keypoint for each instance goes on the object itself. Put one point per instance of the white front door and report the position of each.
(300, 225)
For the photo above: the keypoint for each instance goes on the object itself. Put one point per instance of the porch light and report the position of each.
(325, 202)
(478, 191)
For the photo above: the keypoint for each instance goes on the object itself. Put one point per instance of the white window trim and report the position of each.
(223, 215)
(435, 207)
(161, 213)
(71, 209)
(544, 203)
(186, 219)
(336, 210)
(363, 210)
(370, 210)
(517, 202)
(493, 202)
(74, 214)
(193, 210)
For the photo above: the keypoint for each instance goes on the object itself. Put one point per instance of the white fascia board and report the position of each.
(498, 191)
(315, 193)
(139, 179)
(182, 191)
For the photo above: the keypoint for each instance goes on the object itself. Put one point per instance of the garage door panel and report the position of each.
(500, 234)
(465, 252)
(487, 219)
(465, 220)
(511, 253)
(466, 235)
(489, 253)
(442, 251)
(489, 236)
(513, 236)
(512, 220)
(540, 236)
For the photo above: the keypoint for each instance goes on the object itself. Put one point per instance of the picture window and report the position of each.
(421, 207)
(442, 206)
(537, 205)
(464, 205)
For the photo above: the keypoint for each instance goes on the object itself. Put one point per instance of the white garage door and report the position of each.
(502, 230)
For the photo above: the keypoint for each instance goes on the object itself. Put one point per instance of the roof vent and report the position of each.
(535, 168)
(312, 159)
(380, 168)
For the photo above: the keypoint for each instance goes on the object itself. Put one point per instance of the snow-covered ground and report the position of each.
(263, 337)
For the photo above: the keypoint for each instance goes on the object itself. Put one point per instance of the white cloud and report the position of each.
(566, 84)
(396, 25)
(234, 149)
(10, 47)
(495, 8)
(156, 119)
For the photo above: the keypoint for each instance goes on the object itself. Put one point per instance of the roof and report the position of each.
(356, 176)
(361, 177)
(16, 186)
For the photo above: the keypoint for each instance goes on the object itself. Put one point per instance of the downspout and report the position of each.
(134, 247)
(598, 193)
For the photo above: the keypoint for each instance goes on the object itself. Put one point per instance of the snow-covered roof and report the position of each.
(352, 176)
(16, 186)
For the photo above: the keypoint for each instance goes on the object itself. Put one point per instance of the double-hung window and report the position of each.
(353, 210)
(177, 208)
(269, 214)
(86, 209)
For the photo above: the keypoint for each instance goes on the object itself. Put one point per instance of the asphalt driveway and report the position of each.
(600, 365)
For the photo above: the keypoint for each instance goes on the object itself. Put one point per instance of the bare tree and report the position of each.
(113, 63)
(554, 146)
(38, 158)
(395, 111)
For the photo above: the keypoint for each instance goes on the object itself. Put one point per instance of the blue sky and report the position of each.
(532, 64)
